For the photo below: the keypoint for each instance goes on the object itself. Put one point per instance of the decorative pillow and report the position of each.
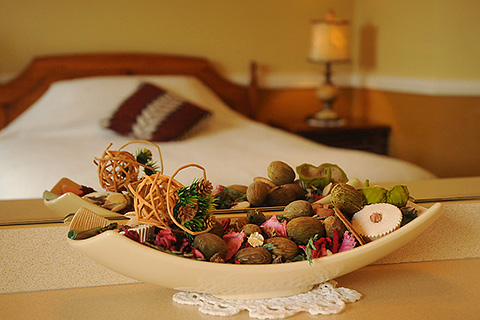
(153, 113)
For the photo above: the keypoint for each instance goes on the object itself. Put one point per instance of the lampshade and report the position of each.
(330, 40)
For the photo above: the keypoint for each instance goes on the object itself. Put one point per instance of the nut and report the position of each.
(301, 229)
(280, 173)
(254, 255)
(257, 193)
(283, 247)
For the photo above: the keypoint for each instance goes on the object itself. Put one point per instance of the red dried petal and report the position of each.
(165, 239)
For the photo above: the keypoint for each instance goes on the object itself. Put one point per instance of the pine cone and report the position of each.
(205, 188)
(210, 221)
(187, 213)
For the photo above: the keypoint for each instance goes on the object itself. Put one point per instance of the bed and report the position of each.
(54, 119)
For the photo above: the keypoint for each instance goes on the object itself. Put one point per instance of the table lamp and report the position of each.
(329, 45)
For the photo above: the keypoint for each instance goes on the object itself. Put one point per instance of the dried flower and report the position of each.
(255, 239)
(348, 242)
(165, 239)
(132, 234)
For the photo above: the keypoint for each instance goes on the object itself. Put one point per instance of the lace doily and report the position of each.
(325, 299)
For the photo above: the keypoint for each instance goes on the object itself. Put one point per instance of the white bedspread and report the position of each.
(60, 135)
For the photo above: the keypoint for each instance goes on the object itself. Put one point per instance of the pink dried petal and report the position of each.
(348, 242)
(279, 227)
(234, 241)
(218, 189)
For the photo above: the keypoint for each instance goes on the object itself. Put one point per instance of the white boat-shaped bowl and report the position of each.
(68, 202)
(233, 281)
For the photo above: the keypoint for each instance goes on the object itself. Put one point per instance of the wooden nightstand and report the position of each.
(358, 135)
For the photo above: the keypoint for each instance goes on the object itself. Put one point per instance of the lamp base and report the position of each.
(316, 121)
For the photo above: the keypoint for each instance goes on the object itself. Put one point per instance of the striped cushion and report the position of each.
(155, 114)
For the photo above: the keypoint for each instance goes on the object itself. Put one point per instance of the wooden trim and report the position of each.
(20, 93)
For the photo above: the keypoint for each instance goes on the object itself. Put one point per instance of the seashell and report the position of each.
(116, 202)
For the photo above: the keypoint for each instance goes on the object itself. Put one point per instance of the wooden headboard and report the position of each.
(19, 94)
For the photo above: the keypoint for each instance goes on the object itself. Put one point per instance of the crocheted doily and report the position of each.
(325, 299)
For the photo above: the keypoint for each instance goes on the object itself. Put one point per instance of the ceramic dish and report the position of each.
(233, 281)
(69, 202)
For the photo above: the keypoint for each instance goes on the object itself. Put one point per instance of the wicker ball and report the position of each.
(154, 198)
(150, 199)
(116, 169)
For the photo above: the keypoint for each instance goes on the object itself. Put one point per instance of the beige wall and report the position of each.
(425, 39)
(230, 32)
(432, 43)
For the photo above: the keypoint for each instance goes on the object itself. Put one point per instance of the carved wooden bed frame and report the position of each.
(19, 94)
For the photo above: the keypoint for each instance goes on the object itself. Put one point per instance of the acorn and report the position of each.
(280, 173)
(301, 229)
(254, 255)
(209, 244)
(298, 208)
(346, 198)
(283, 247)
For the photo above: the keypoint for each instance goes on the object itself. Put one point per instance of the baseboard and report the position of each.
(424, 86)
